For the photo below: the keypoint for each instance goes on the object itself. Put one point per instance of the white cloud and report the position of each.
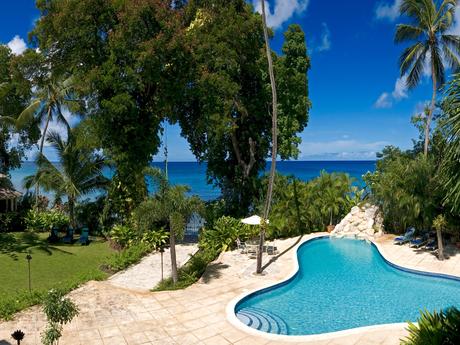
(389, 11)
(400, 90)
(17, 45)
(282, 11)
(384, 101)
(325, 39)
(341, 149)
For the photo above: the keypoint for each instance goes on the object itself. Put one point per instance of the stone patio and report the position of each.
(113, 315)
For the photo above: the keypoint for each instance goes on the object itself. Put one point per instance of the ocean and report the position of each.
(193, 174)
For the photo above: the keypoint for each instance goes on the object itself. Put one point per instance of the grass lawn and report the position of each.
(59, 265)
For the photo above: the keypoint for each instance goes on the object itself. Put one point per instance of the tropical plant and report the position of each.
(37, 220)
(302, 207)
(224, 233)
(450, 165)
(170, 208)
(430, 39)
(436, 328)
(79, 174)
(123, 235)
(59, 310)
(406, 188)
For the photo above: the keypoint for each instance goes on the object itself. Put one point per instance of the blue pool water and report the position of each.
(343, 284)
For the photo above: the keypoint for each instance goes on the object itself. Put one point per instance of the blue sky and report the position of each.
(359, 102)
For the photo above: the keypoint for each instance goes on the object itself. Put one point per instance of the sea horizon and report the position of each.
(193, 173)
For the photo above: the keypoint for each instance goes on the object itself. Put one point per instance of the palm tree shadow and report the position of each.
(13, 246)
(213, 271)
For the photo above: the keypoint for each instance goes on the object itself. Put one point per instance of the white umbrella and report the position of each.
(253, 220)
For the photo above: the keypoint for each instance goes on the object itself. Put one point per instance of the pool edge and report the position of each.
(234, 321)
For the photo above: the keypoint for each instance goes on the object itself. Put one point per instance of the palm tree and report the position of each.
(271, 180)
(428, 32)
(46, 106)
(170, 207)
(80, 171)
(450, 166)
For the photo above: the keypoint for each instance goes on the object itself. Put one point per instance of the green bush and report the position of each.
(437, 328)
(123, 235)
(222, 236)
(128, 256)
(37, 220)
(302, 207)
(59, 310)
(190, 272)
(11, 221)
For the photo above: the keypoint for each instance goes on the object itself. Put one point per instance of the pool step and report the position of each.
(262, 320)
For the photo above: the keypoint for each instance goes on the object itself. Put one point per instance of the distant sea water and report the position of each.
(193, 174)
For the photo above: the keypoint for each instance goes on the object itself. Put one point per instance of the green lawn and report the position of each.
(52, 266)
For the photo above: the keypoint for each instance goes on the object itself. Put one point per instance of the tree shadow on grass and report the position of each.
(213, 271)
(22, 243)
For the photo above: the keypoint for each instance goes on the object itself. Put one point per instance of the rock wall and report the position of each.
(363, 221)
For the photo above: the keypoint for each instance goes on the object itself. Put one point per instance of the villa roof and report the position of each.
(8, 193)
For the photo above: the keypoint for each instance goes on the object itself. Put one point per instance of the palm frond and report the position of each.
(28, 114)
(438, 66)
(410, 56)
(407, 32)
(416, 70)
(451, 58)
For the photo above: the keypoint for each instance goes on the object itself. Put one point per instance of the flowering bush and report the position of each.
(45, 220)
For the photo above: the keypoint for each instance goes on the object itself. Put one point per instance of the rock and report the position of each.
(363, 222)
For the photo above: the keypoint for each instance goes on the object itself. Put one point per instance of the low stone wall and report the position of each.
(363, 221)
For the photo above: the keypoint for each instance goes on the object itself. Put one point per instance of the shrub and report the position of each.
(36, 220)
(190, 272)
(11, 221)
(222, 236)
(435, 328)
(128, 256)
(59, 311)
(123, 235)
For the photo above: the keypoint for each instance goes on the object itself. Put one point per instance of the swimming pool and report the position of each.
(343, 284)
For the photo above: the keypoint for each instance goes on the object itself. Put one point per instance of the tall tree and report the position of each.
(271, 178)
(15, 92)
(223, 112)
(126, 58)
(80, 172)
(427, 30)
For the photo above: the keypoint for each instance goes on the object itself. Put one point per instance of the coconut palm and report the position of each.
(79, 174)
(427, 30)
(170, 207)
(450, 166)
(271, 179)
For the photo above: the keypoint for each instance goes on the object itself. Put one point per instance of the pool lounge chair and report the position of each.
(68, 237)
(432, 244)
(241, 246)
(406, 238)
(84, 237)
(419, 241)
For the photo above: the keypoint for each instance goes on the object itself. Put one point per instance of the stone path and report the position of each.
(111, 315)
(147, 274)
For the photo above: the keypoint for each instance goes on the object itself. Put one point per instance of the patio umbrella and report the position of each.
(253, 220)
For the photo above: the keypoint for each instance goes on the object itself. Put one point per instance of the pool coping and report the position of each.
(234, 321)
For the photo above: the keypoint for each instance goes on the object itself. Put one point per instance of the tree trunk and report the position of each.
(72, 213)
(440, 245)
(42, 143)
(172, 249)
(430, 114)
(274, 143)
(330, 223)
